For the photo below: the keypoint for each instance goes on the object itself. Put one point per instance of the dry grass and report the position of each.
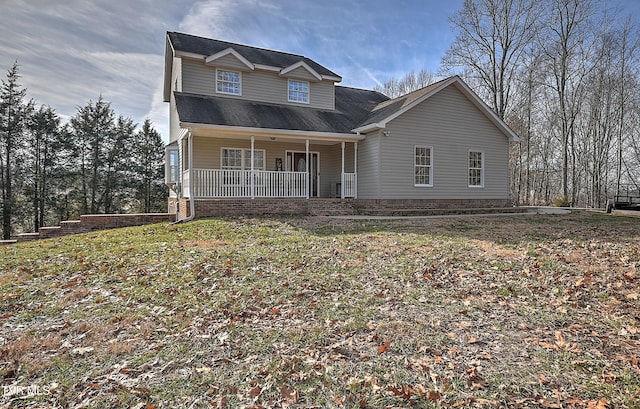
(518, 311)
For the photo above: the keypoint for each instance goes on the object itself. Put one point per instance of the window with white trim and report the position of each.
(476, 169)
(299, 91)
(236, 158)
(423, 166)
(228, 82)
(172, 165)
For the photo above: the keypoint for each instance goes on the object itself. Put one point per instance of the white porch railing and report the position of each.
(223, 183)
(349, 186)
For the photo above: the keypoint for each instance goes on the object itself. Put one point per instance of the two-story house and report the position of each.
(261, 131)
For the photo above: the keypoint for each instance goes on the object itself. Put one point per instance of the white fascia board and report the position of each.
(266, 68)
(304, 65)
(289, 133)
(168, 69)
(189, 55)
(212, 58)
(371, 127)
(332, 78)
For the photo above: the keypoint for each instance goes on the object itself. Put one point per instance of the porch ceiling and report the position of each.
(273, 135)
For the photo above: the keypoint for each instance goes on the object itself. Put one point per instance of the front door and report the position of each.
(296, 161)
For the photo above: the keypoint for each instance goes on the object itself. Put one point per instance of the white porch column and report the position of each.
(307, 166)
(191, 173)
(253, 191)
(355, 169)
(342, 174)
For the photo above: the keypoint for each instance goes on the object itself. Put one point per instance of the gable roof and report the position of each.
(389, 110)
(352, 106)
(180, 44)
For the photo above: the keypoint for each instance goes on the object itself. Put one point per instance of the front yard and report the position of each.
(518, 312)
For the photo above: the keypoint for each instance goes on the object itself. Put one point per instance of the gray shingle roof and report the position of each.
(352, 107)
(208, 46)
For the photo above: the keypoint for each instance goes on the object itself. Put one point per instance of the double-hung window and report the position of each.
(240, 159)
(476, 169)
(228, 82)
(423, 166)
(172, 165)
(236, 160)
(299, 91)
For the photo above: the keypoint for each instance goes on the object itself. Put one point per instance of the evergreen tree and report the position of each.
(14, 112)
(42, 150)
(91, 128)
(148, 158)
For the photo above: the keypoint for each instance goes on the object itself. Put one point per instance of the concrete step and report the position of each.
(7, 242)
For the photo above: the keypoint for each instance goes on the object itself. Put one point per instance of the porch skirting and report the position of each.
(328, 207)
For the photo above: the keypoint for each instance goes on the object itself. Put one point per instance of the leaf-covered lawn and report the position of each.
(517, 312)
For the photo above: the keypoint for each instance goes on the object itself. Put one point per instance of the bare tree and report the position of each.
(492, 37)
(565, 45)
(395, 87)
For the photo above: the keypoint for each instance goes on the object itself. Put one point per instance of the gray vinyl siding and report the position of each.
(301, 74)
(369, 167)
(263, 86)
(452, 126)
(207, 155)
(230, 62)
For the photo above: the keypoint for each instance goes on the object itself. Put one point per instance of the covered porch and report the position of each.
(214, 163)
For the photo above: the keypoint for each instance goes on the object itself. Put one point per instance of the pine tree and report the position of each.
(43, 151)
(14, 112)
(148, 158)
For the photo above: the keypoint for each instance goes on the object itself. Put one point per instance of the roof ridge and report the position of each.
(408, 95)
(240, 44)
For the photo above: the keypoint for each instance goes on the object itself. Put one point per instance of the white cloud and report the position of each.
(73, 51)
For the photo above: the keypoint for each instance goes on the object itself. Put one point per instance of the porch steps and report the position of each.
(331, 207)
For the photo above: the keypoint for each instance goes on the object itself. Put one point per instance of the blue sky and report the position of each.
(73, 51)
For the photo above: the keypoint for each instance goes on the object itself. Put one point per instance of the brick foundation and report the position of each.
(327, 207)
(236, 207)
(404, 204)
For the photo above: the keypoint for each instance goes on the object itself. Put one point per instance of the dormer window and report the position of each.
(299, 91)
(228, 82)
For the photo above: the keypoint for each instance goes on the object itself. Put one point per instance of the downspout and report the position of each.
(306, 165)
(192, 205)
(342, 173)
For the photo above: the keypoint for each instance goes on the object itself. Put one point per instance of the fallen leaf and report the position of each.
(632, 296)
(599, 404)
(288, 394)
(384, 347)
(403, 391)
(255, 391)
(434, 396)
